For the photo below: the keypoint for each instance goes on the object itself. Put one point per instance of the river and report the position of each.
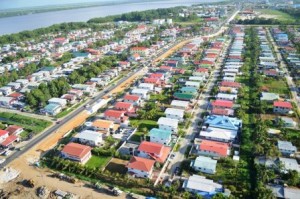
(33, 21)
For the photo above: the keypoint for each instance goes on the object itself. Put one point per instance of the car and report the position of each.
(172, 155)
(2, 160)
(7, 153)
(177, 171)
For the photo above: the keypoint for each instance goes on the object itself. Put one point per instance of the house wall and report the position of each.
(281, 110)
(205, 170)
(82, 160)
(140, 174)
(166, 127)
(177, 117)
(159, 140)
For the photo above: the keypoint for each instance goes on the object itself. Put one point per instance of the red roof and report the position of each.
(202, 70)
(157, 151)
(221, 111)
(206, 62)
(151, 80)
(172, 62)
(16, 95)
(13, 128)
(141, 164)
(230, 84)
(270, 72)
(123, 63)
(114, 113)
(139, 48)
(68, 96)
(223, 103)
(3, 132)
(77, 150)
(123, 105)
(9, 140)
(168, 68)
(283, 104)
(132, 97)
(212, 146)
(156, 75)
(211, 19)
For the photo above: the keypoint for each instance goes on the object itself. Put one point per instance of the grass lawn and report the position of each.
(97, 161)
(140, 124)
(28, 123)
(276, 86)
(117, 166)
(137, 136)
(277, 14)
(69, 110)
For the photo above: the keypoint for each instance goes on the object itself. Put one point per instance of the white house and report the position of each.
(6, 90)
(204, 164)
(140, 92)
(286, 148)
(180, 104)
(91, 138)
(6, 101)
(59, 101)
(168, 124)
(193, 84)
(226, 96)
(199, 184)
(146, 86)
(218, 134)
(175, 113)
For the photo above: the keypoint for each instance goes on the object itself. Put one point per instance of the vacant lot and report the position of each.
(275, 14)
(117, 166)
(276, 86)
(143, 126)
(97, 161)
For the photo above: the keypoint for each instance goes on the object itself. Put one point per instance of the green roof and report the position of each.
(48, 68)
(183, 96)
(162, 134)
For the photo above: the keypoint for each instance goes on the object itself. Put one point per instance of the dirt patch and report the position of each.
(117, 166)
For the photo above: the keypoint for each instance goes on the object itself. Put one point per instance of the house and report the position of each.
(14, 85)
(289, 164)
(14, 130)
(134, 99)
(17, 96)
(104, 126)
(124, 64)
(282, 107)
(231, 84)
(180, 104)
(222, 111)
(175, 113)
(143, 93)
(172, 63)
(226, 96)
(160, 136)
(140, 167)
(168, 124)
(155, 151)
(6, 102)
(286, 148)
(280, 191)
(125, 106)
(189, 90)
(71, 99)
(192, 84)
(201, 72)
(223, 122)
(88, 89)
(146, 86)
(213, 148)
(153, 81)
(3, 135)
(6, 90)
(222, 104)
(269, 97)
(217, 134)
(77, 152)
(197, 78)
(288, 122)
(52, 109)
(200, 185)
(8, 142)
(183, 96)
(77, 93)
(58, 101)
(204, 164)
(143, 51)
(159, 76)
(116, 116)
(90, 138)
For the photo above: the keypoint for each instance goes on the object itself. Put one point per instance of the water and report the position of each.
(29, 22)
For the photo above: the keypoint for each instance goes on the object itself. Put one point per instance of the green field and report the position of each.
(97, 161)
(276, 14)
(276, 86)
(31, 124)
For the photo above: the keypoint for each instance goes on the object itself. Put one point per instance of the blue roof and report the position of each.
(79, 54)
(162, 134)
(51, 107)
(223, 122)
